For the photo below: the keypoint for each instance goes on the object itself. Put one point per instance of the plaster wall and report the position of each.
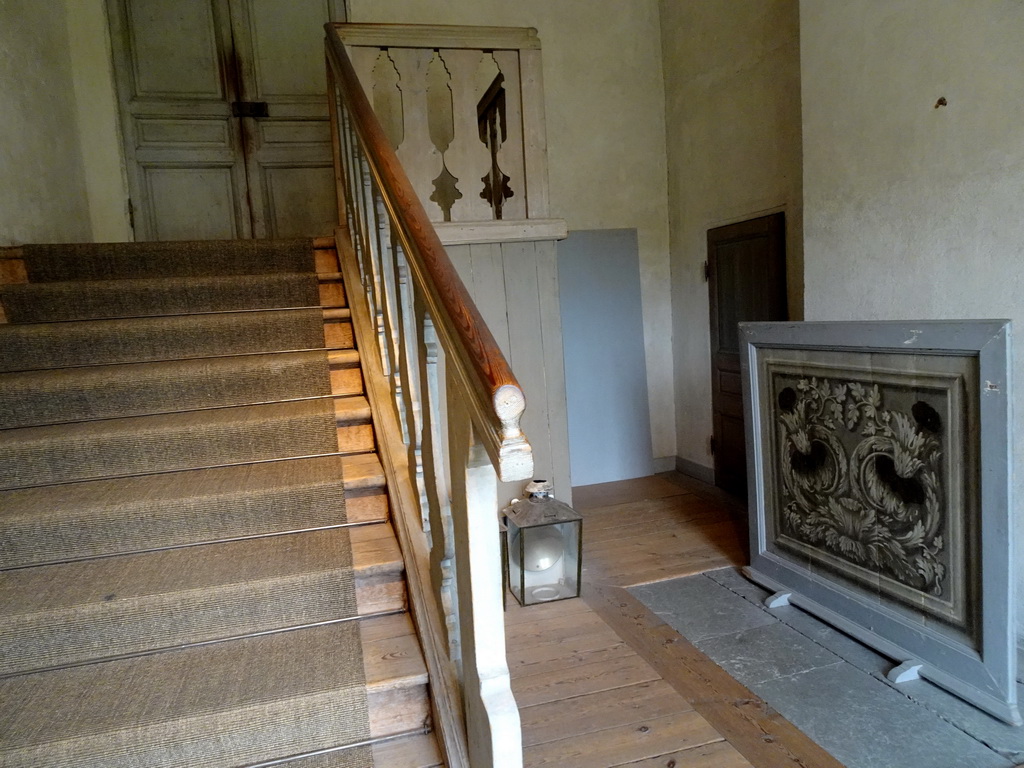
(42, 197)
(914, 209)
(92, 73)
(732, 115)
(604, 104)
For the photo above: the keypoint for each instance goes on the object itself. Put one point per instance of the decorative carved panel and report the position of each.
(878, 459)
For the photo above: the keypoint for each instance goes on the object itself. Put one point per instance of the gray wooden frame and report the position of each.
(981, 668)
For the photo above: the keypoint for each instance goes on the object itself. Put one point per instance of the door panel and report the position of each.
(191, 203)
(288, 158)
(183, 150)
(300, 200)
(746, 282)
(287, 50)
(175, 49)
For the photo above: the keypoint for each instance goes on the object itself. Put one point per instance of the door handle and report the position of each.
(249, 109)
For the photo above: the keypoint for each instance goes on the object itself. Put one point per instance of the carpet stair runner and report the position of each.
(196, 567)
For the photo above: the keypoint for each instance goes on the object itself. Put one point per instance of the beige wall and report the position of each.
(606, 142)
(732, 112)
(98, 125)
(914, 211)
(42, 195)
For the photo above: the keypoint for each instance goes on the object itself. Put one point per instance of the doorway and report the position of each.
(746, 272)
(224, 117)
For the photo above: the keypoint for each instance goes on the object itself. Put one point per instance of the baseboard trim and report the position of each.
(664, 464)
(695, 470)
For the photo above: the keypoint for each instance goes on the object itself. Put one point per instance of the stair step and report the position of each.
(35, 398)
(417, 751)
(89, 519)
(76, 612)
(346, 374)
(379, 569)
(92, 299)
(167, 442)
(350, 757)
(219, 706)
(396, 675)
(104, 261)
(38, 346)
(225, 704)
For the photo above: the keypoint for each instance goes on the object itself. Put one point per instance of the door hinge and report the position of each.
(711, 444)
(131, 215)
(707, 272)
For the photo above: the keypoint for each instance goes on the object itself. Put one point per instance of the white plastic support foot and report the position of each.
(777, 600)
(905, 672)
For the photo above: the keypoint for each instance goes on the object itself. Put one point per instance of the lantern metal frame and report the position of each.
(537, 512)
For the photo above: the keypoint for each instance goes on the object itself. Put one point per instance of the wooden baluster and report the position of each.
(379, 229)
(387, 98)
(359, 192)
(442, 132)
(420, 158)
(535, 149)
(363, 59)
(335, 123)
(396, 336)
(363, 198)
(467, 157)
(413, 392)
(348, 154)
(510, 154)
(492, 717)
(437, 520)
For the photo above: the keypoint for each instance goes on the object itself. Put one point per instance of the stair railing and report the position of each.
(447, 408)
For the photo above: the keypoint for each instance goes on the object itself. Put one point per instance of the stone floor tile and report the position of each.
(699, 608)
(866, 724)
(733, 580)
(764, 653)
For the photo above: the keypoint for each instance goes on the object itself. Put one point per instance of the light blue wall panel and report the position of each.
(605, 368)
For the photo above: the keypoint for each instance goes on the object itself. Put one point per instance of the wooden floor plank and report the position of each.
(579, 679)
(606, 494)
(614, 746)
(548, 661)
(531, 614)
(599, 711)
(719, 754)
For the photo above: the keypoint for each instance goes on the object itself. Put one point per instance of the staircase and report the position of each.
(196, 562)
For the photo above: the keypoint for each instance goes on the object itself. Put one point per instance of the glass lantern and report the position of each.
(545, 545)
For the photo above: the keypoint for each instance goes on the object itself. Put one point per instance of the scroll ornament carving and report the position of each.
(862, 481)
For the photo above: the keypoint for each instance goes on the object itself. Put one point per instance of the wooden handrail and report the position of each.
(427, 256)
(449, 410)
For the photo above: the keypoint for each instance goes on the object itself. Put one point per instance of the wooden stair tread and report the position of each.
(362, 471)
(392, 656)
(417, 751)
(351, 408)
(343, 357)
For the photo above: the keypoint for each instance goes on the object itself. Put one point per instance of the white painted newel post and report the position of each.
(492, 716)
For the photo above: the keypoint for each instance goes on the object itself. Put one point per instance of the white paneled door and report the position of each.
(224, 116)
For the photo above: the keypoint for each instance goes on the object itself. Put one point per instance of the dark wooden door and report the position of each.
(747, 282)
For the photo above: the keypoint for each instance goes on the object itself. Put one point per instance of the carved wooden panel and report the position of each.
(879, 490)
